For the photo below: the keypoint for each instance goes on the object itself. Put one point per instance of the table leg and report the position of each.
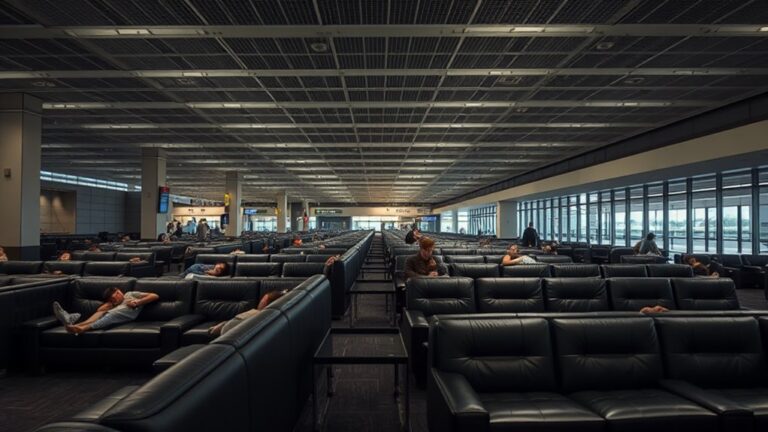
(407, 398)
(329, 379)
(314, 398)
(397, 380)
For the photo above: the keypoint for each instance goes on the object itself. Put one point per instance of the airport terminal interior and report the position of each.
(383, 215)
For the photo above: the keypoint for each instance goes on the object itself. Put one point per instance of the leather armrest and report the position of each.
(416, 318)
(170, 332)
(74, 427)
(454, 404)
(711, 401)
(41, 324)
(754, 269)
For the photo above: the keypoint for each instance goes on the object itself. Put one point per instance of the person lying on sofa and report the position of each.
(216, 270)
(3, 256)
(699, 269)
(513, 257)
(654, 309)
(118, 308)
(225, 326)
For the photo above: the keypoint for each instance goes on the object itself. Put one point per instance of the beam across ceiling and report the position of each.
(373, 30)
(52, 126)
(249, 73)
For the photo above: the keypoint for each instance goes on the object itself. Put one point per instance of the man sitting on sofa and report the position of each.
(118, 308)
(423, 263)
(216, 270)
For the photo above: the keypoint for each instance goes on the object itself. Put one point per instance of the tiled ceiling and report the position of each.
(389, 101)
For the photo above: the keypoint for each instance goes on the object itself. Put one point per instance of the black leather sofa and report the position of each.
(597, 374)
(255, 377)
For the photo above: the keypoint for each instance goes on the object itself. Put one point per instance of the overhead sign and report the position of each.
(253, 211)
(322, 212)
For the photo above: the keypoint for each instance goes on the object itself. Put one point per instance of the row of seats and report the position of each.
(748, 271)
(427, 297)
(142, 268)
(597, 374)
(182, 315)
(571, 270)
(258, 376)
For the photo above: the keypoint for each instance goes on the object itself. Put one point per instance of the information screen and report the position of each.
(164, 199)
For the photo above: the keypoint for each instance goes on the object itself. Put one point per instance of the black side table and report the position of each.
(372, 346)
(369, 288)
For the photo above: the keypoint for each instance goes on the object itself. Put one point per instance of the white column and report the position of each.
(455, 221)
(234, 189)
(282, 211)
(152, 177)
(506, 219)
(20, 129)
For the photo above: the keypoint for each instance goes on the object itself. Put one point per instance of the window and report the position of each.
(483, 219)
(620, 218)
(737, 208)
(573, 219)
(656, 212)
(636, 231)
(606, 218)
(593, 224)
(704, 231)
(582, 231)
(446, 221)
(463, 221)
(678, 217)
(373, 222)
(763, 219)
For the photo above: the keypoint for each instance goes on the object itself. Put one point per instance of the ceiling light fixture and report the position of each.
(634, 80)
(319, 47)
(763, 29)
(602, 46)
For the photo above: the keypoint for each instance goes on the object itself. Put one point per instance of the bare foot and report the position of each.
(76, 330)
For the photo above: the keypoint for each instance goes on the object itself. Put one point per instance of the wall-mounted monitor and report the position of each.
(164, 198)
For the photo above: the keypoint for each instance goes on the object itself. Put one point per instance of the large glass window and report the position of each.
(737, 208)
(606, 218)
(593, 224)
(573, 218)
(678, 217)
(482, 219)
(656, 212)
(446, 221)
(636, 232)
(582, 232)
(763, 220)
(704, 215)
(620, 215)
(463, 225)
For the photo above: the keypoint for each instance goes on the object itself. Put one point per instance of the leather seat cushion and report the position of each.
(141, 334)
(537, 411)
(57, 337)
(647, 409)
(754, 398)
(198, 334)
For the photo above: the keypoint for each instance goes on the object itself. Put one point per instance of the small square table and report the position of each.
(372, 346)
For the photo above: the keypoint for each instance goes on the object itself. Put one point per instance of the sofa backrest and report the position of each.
(206, 391)
(259, 269)
(623, 270)
(713, 351)
(607, 354)
(465, 259)
(669, 270)
(575, 270)
(302, 269)
(457, 251)
(252, 258)
(143, 256)
(633, 294)
(222, 299)
(553, 259)
(434, 296)
(643, 259)
(511, 355)
(176, 298)
(279, 284)
(474, 271)
(526, 270)
(21, 267)
(575, 295)
(705, 294)
(65, 267)
(287, 258)
(509, 295)
(111, 269)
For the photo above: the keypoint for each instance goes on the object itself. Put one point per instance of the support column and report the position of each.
(152, 177)
(305, 208)
(455, 221)
(234, 190)
(506, 219)
(282, 211)
(20, 129)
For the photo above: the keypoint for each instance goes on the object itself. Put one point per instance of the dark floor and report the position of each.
(363, 399)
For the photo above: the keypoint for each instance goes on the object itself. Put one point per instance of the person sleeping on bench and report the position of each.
(118, 308)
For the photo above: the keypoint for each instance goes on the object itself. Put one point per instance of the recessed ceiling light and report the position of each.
(604, 46)
(319, 47)
(764, 29)
(634, 80)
